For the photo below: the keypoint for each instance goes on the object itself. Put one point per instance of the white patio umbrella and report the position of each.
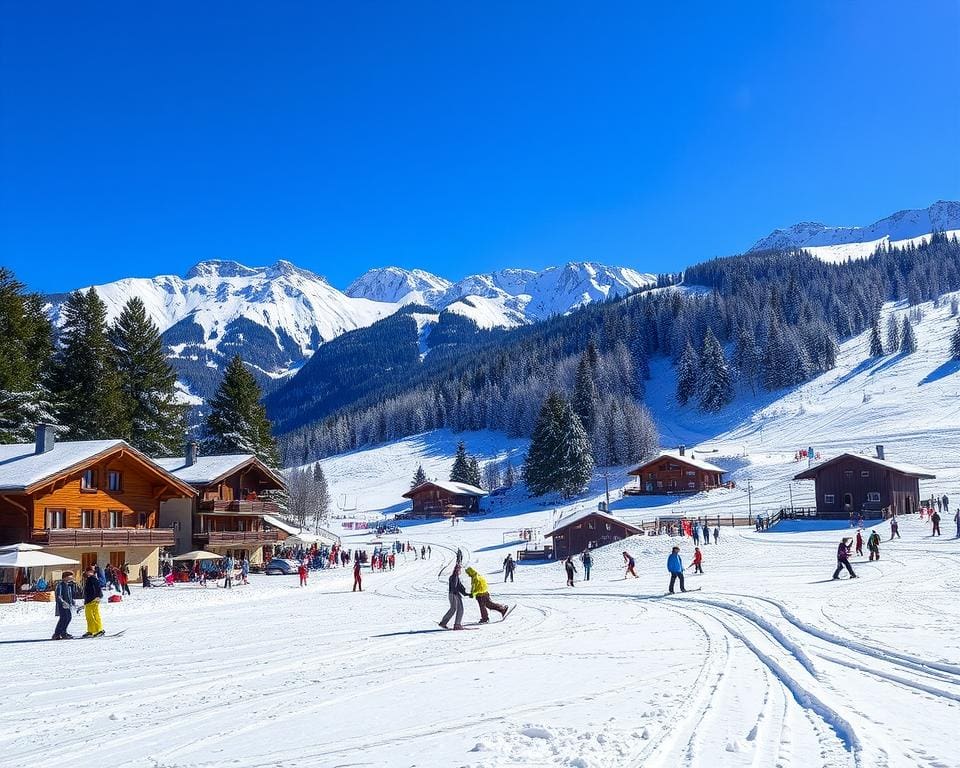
(22, 547)
(199, 554)
(32, 559)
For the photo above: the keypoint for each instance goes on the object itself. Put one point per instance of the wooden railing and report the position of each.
(238, 507)
(105, 537)
(237, 537)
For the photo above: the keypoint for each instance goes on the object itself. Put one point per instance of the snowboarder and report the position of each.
(859, 543)
(357, 581)
(935, 519)
(63, 596)
(873, 544)
(92, 594)
(508, 568)
(843, 559)
(480, 591)
(570, 569)
(675, 567)
(894, 528)
(455, 593)
(587, 559)
(630, 566)
(716, 534)
(697, 560)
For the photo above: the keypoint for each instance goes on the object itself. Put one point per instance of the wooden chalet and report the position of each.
(444, 498)
(588, 530)
(674, 472)
(853, 484)
(95, 501)
(230, 513)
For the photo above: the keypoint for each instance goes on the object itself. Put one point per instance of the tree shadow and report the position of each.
(942, 371)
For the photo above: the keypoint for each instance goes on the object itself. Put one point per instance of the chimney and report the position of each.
(683, 450)
(46, 438)
(880, 452)
(190, 453)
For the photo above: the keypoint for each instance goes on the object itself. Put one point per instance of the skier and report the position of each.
(357, 581)
(697, 560)
(508, 568)
(244, 571)
(92, 593)
(480, 591)
(716, 534)
(630, 565)
(894, 528)
(956, 518)
(946, 503)
(843, 559)
(587, 559)
(423, 553)
(706, 534)
(228, 572)
(570, 569)
(459, 556)
(859, 544)
(935, 519)
(696, 534)
(63, 595)
(429, 551)
(302, 570)
(675, 567)
(873, 544)
(455, 593)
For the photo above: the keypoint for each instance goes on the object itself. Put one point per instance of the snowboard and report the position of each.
(509, 611)
(694, 589)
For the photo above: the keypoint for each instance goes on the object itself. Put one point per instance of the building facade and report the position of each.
(441, 498)
(674, 472)
(588, 530)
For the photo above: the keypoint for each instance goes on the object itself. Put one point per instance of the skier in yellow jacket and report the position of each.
(480, 590)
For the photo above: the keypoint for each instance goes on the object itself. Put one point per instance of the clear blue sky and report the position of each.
(140, 138)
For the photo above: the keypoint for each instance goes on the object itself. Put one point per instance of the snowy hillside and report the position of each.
(838, 244)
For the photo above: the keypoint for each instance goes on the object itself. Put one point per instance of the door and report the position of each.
(87, 560)
(847, 502)
(118, 558)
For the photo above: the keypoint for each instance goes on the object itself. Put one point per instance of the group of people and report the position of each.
(66, 594)
(479, 590)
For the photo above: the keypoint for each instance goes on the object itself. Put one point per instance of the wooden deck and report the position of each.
(237, 507)
(220, 538)
(104, 537)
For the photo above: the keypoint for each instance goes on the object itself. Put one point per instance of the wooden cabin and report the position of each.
(95, 501)
(588, 530)
(444, 498)
(854, 484)
(674, 472)
(230, 513)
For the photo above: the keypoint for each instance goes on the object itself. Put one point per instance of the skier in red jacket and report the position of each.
(859, 542)
(302, 570)
(697, 560)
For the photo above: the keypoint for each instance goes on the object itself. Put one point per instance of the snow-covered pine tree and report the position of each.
(908, 339)
(322, 496)
(85, 386)
(893, 333)
(419, 477)
(585, 392)
(716, 385)
(746, 356)
(575, 459)
(460, 472)
(509, 475)
(147, 382)
(238, 421)
(687, 374)
(540, 467)
(876, 344)
(474, 477)
(492, 476)
(955, 343)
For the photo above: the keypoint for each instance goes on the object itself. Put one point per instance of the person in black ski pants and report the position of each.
(455, 593)
(508, 568)
(570, 569)
(64, 596)
(843, 559)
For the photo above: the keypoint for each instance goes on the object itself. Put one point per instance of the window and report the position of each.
(116, 518)
(652, 475)
(88, 481)
(88, 518)
(829, 498)
(848, 474)
(864, 473)
(691, 485)
(691, 473)
(56, 518)
(114, 481)
(659, 483)
(873, 496)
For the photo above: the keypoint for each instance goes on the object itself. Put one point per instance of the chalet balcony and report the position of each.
(237, 507)
(104, 537)
(225, 538)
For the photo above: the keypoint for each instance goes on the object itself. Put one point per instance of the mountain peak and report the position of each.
(219, 268)
(397, 285)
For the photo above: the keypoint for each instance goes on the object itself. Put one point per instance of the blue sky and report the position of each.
(138, 139)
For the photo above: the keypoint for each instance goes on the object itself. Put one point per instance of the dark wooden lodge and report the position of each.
(444, 498)
(674, 472)
(588, 530)
(853, 484)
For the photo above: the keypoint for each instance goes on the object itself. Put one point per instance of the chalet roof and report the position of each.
(207, 470)
(458, 489)
(277, 523)
(22, 468)
(675, 456)
(904, 469)
(566, 522)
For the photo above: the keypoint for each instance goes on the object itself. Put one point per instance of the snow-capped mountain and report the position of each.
(841, 243)
(399, 286)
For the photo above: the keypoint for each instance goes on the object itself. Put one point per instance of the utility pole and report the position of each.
(790, 487)
(749, 500)
(606, 483)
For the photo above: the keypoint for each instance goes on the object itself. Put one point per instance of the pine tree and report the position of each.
(460, 473)
(876, 345)
(585, 393)
(322, 496)
(238, 421)
(687, 374)
(575, 456)
(908, 339)
(716, 386)
(86, 388)
(509, 475)
(955, 343)
(419, 477)
(147, 382)
(746, 356)
(475, 479)
(559, 458)
(893, 333)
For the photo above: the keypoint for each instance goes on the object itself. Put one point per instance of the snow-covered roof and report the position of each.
(906, 469)
(460, 489)
(21, 467)
(277, 523)
(209, 469)
(675, 456)
(570, 519)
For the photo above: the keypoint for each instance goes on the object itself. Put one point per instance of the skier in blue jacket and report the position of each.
(675, 566)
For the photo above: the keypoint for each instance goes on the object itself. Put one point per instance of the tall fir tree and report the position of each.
(576, 459)
(908, 339)
(585, 392)
(716, 385)
(746, 356)
(147, 383)
(322, 496)
(955, 343)
(876, 343)
(460, 472)
(475, 477)
(85, 386)
(559, 458)
(419, 477)
(687, 374)
(238, 421)
(893, 333)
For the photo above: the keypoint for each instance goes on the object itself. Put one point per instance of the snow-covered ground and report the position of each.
(770, 664)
